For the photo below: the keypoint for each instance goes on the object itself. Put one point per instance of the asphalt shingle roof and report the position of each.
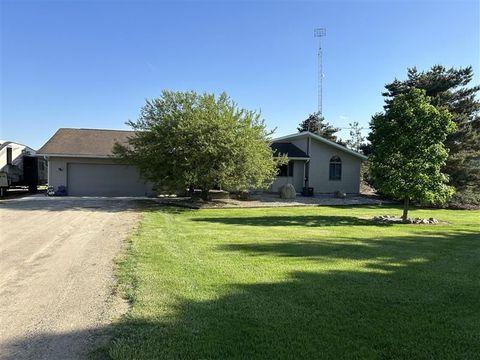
(288, 149)
(84, 142)
(99, 142)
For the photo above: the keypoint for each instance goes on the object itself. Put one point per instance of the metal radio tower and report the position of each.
(320, 32)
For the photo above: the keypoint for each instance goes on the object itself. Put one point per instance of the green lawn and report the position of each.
(316, 282)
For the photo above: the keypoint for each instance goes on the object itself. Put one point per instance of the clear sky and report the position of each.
(92, 64)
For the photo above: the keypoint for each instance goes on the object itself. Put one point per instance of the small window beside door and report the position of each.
(286, 169)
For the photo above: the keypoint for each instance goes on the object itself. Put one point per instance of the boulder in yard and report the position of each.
(287, 191)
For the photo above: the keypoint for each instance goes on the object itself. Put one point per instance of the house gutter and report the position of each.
(76, 156)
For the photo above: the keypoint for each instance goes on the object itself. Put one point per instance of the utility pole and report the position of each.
(320, 32)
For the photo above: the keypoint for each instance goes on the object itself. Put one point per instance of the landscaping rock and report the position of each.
(287, 191)
(387, 219)
(395, 220)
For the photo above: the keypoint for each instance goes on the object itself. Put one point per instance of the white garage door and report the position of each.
(104, 180)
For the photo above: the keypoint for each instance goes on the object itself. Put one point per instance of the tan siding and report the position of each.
(296, 180)
(298, 175)
(320, 155)
(301, 143)
(58, 170)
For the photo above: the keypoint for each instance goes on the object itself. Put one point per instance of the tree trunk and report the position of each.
(205, 194)
(406, 203)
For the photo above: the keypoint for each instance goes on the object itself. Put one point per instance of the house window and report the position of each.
(9, 156)
(286, 169)
(335, 168)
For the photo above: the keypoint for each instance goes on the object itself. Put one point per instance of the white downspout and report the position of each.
(305, 172)
(305, 183)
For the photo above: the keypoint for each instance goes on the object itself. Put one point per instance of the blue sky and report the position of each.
(92, 64)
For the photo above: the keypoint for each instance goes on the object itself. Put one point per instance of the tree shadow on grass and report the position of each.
(296, 220)
(412, 297)
(392, 248)
(391, 307)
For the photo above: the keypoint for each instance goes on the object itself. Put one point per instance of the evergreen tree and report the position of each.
(366, 149)
(317, 125)
(447, 88)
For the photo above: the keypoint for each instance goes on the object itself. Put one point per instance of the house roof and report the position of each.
(286, 148)
(100, 142)
(5, 143)
(84, 142)
(321, 139)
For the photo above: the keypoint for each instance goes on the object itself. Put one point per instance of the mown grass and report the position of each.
(316, 282)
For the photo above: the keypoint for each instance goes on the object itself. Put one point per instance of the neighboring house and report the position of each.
(21, 165)
(82, 161)
(317, 162)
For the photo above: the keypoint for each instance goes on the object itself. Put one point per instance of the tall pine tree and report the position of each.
(317, 125)
(448, 88)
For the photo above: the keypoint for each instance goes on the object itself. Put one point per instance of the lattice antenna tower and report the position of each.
(319, 33)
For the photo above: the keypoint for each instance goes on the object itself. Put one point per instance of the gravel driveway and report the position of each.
(56, 274)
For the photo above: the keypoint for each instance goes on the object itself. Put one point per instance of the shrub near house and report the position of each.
(187, 140)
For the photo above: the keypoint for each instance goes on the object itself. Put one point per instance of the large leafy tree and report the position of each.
(189, 140)
(316, 123)
(408, 150)
(448, 88)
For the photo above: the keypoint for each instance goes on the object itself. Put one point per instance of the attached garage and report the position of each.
(104, 180)
(81, 161)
